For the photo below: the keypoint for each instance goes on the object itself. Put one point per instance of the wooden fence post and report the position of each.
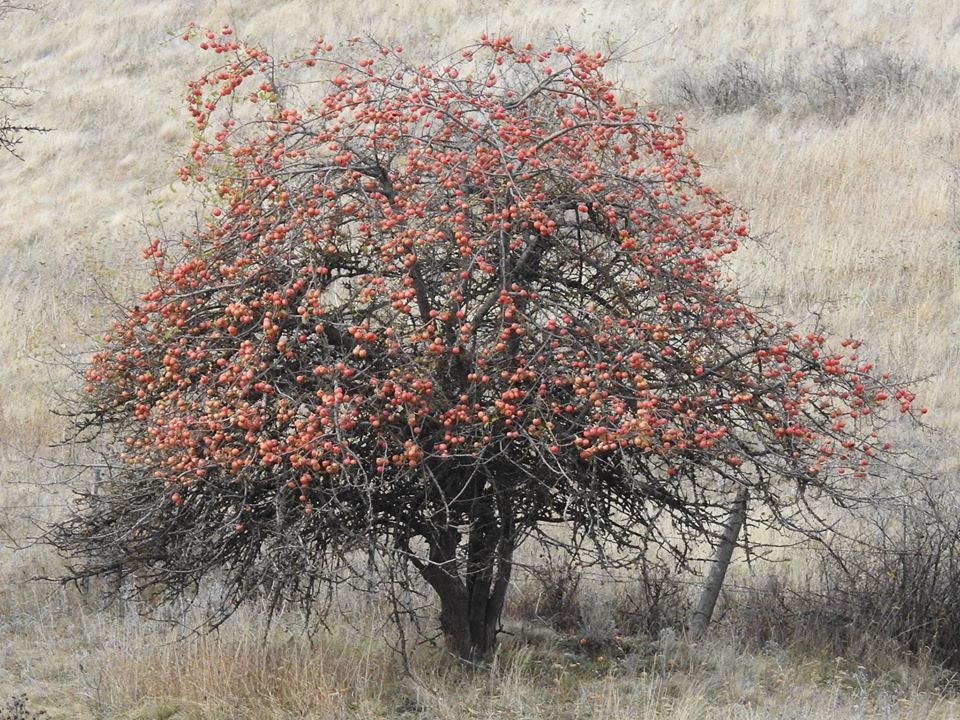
(718, 568)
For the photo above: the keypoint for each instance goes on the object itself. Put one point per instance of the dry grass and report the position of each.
(78, 663)
(862, 228)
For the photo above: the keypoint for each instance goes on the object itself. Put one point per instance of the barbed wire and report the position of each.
(760, 550)
(32, 506)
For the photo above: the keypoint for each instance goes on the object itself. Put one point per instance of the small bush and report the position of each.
(836, 87)
(640, 604)
(16, 709)
(849, 79)
(656, 600)
(762, 611)
(551, 596)
(892, 590)
(733, 87)
(904, 582)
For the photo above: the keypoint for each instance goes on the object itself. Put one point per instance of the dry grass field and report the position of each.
(835, 124)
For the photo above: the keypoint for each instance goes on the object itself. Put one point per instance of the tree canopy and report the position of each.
(432, 311)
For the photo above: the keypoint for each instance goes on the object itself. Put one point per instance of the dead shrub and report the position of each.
(837, 86)
(560, 595)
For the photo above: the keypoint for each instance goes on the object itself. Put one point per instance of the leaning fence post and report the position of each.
(718, 568)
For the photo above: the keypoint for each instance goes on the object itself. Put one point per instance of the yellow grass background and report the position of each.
(860, 218)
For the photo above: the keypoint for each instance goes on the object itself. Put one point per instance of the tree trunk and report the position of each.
(718, 569)
(470, 631)
(471, 602)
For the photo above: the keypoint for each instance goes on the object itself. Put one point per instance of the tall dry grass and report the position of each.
(78, 662)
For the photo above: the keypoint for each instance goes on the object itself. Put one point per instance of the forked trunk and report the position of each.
(471, 592)
(470, 629)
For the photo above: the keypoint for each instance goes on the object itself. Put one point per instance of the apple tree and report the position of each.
(432, 311)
